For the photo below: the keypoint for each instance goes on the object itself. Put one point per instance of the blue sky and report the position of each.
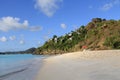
(29, 23)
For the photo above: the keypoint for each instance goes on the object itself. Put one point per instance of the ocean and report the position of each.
(19, 66)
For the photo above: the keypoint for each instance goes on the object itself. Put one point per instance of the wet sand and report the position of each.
(27, 71)
(88, 65)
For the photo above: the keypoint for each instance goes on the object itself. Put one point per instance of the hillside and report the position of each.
(99, 34)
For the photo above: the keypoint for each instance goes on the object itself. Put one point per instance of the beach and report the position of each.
(87, 65)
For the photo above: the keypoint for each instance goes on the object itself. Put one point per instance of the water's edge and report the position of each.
(27, 69)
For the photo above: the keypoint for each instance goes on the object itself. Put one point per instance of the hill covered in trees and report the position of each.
(99, 34)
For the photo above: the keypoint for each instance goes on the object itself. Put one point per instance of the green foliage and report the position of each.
(113, 42)
(100, 33)
(99, 24)
(116, 45)
(65, 43)
(96, 20)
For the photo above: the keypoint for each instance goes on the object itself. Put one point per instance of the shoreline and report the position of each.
(88, 65)
(22, 70)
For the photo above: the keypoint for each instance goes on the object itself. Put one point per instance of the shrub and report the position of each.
(116, 45)
(96, 20)
(113, 42)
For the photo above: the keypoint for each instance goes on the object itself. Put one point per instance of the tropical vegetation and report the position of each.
(99, 34)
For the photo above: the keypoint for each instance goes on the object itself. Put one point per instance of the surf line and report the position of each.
(12, 73)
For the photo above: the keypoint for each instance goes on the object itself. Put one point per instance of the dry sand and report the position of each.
(88, 65)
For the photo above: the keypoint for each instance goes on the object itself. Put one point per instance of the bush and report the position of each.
(117, 45)
(113, 42)
(96, 20)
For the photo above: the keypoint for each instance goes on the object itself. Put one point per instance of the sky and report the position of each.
(29, 23)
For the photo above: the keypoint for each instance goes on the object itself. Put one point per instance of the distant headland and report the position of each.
(28, 51)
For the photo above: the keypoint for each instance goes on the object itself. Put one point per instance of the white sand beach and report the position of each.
(88, 65)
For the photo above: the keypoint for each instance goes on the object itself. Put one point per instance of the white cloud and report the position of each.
(110, 5)
(64, 26)
(37, 28)
(22, 42)
(107, 6)
(10, 23)
(12, 38)
(48, 7)
(3, 39)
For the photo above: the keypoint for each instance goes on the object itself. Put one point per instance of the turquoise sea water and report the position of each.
(17, 65)
(15, 57)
